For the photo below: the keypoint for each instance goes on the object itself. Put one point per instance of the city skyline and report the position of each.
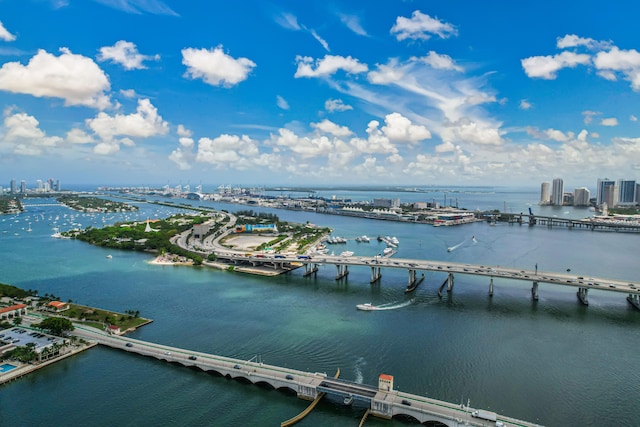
(282, 93)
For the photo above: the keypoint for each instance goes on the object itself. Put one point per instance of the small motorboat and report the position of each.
(366, 307)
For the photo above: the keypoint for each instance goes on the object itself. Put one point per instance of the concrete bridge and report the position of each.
(381, 401)
(412, 266)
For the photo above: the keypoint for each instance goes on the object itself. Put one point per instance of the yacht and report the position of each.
(366, 307)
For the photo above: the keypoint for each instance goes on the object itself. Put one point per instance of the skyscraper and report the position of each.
(581, 196)
(545, 193)
(626, 192)
(14, 186)
(23, 186)
(557, 194)
(603, 184)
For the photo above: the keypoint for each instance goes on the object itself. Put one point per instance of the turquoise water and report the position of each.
(554, 361)
(5, 367)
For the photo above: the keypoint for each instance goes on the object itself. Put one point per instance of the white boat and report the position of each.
(366, 307)
(395, 240)
(347, 253)
(387, 251)
(109, 256)
(363, 238)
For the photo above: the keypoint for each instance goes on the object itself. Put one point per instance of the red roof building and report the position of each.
(13, 311)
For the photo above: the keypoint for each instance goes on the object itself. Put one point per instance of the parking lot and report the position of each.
(18, 336)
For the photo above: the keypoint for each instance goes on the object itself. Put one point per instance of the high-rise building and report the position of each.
(557, 193)
(23, 186)
(581, 196)
(1, 190)
(603, 184)
(545, 193)
(39, 185)
(14, 186)
(58, 188)
(626, 192)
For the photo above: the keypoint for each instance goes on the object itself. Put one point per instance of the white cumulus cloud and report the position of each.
(332, 105)
(609, 121)
(126, 54)
(400, 129)
(441, 62)
(216, 67)
(327, 66)
(421, 26)
(24, 136)
(75, 78)
(546, 67)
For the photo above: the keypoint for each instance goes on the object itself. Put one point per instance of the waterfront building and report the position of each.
(1, 190)
(545, 193)
(557, 194)
(14, 186)
(386, 203)
(581, 196)
(602, 188)
(420, 205)
(13, 311)
(58, 187)
(23, 186)
(626, 192)
(57, 306)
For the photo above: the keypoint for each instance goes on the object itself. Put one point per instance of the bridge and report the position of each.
(382, 401)
(376, 263)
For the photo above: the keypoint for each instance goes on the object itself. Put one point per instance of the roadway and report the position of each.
(382, 403)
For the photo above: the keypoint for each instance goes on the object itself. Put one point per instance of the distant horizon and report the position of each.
(451, 93)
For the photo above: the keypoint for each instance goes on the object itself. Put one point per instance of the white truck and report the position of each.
(485, 415)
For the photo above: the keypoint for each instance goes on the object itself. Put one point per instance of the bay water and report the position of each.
(554, 361)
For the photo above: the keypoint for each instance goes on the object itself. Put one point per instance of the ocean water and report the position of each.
(554, 361)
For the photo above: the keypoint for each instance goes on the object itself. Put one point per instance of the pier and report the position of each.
(381, 401)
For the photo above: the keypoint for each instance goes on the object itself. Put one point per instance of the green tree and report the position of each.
(56, 325)
(17, 320)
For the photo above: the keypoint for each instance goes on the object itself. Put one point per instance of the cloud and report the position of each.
(156, 7)
(78, 136)
(473, 131)
(546, 67)
(282, 103)
(216, 67)
(320, 40)
(552, 134)
(332, 105)
(6, 35)
(290, 22)
(610, 121)
(184, 132)
(227, 151)
(352, 22)
(126, 54)
(525, 105)
(421, 27)
(327, 66)
(589, 115)
(400, 129)
(24, 136)
(327, 126)
(625, 62)
(441, 62)
(144, 123)
(572, 40)
(75, 78)
(633, 118)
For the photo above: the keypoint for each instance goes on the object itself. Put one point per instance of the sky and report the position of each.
(359, 92)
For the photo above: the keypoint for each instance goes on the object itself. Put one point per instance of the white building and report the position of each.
(545, 193)
(626, 192)
(557, 194)
(581, 196)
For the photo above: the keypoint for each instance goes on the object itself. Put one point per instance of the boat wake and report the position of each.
(453, 248)
(389, 306)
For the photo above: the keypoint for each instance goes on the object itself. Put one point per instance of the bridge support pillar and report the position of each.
(450, 282)
(634, 300)
(310, 269)
(534, 291)
(412, 277)
(375, 274)
(343, 271)
(582, 295)
(491, 287)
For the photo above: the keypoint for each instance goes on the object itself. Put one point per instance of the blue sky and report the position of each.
(302, 93)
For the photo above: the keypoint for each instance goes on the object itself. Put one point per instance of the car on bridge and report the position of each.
(129, 344)
(192, 357)
(289, 377)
